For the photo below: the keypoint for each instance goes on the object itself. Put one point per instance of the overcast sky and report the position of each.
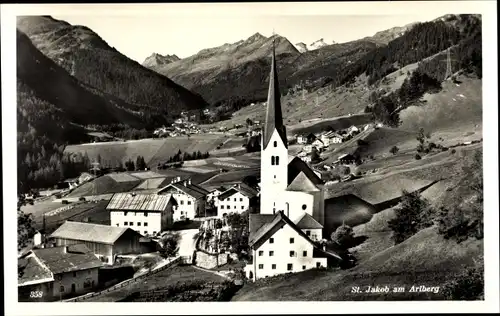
(184, 29)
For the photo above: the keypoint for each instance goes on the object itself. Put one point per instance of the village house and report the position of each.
(336, 139)
(318, 144)
(104, 241)
(54, 273)
(279, 246)
(144, 213)
(307, 158)
(213, 194)
(307, 148)
(353, 130)
(237, 199)
(191, 199)
(301, 139)
(311, 138)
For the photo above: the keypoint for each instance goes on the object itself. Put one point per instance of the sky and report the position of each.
(138, 30)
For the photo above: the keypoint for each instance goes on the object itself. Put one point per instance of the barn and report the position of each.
(104, 241)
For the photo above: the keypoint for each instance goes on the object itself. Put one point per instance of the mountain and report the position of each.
(384, 37)
(91, 60)
(301, 47)
(157, 59)
(239, 71)
(75, 101)
(317, 44)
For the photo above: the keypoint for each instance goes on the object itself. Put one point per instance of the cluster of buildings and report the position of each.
(179, 127)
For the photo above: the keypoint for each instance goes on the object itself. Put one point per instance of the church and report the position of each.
(283, 237)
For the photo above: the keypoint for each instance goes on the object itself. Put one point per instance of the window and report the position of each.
(117, 225)
(59, 277)
(61, 289)
(273, 266)
(308, 232)
(289, 267)
(131, 223)
(261, 266)
(145, 232)
(277, 160)
(292, 240)
(227, 199)
(138, 223)
(242, 207)
(182, 212)
(189, 202)
(304, 207)
(303, 267)
(125, 213)
(275, 144)
(314, 237)
(182, 202)
(222, 207)
(318, 264)
(125, 223)
(145, 214)
(304, 253)
(272, 160)
(154, 233)
(145, 224)
(271, 240)
(261, 253)
(271, 253)
(235, 199)
(292, 253)
(74, 274)
(241, 199)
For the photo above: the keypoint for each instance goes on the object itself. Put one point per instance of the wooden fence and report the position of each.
(82, 298)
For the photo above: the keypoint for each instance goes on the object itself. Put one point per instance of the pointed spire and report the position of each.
(274, 118)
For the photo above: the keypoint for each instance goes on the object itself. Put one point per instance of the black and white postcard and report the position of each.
(250, 152)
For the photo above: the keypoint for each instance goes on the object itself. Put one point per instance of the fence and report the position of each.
(172, 263)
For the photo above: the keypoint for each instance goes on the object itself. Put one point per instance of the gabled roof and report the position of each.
(67, 258)
(268, 229)
(296, 166)
(241, 188)
(308, 222)
(274, 118)
(32, 271)
(302, 183)
(256, 221)
(90, 232)
(190, 189)
(139, 202)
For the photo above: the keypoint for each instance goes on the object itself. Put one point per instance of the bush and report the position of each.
(468, 285)
(417, 157)
(394, 150)
(82, 199)
(65, 202)
(413, 214)
(343, 235)
(453, 151)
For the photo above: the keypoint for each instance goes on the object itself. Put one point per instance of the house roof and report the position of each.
(274, 118)
(256, 221)
(308, 222)
(32, 271)
(139, 202)
(296, 166)
(268, 229)
(242, 188)
(67, 258)
(89, 232)
(302, 183)
(190, 189)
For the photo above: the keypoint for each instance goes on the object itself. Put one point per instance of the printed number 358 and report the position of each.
(36, 294)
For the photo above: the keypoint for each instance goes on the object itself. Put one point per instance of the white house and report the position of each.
(336, 139)
(144, 213)
(307, 148)
(310, 227)
(213, 194)
(318, 144)
(353, 129)
(191, 199)
(301, 139)
(57, 272)
(306, 159)
(279, 246)
(237, 199)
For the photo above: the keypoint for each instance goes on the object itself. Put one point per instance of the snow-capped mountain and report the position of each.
(157, 59)
(317, 44)
(301, 47)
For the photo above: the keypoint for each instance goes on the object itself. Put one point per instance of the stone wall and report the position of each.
(209, 261)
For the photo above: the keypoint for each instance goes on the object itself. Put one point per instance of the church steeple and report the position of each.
(274, 118)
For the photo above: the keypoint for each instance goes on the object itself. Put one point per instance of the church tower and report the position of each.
(274, 146)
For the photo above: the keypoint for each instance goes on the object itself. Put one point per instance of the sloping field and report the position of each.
(458, 107)
(104, 185)
(424, 259)
(153, 150)
(337, 123)
(381, 140)
(145, 174)
(379, 190)
(231, 176)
